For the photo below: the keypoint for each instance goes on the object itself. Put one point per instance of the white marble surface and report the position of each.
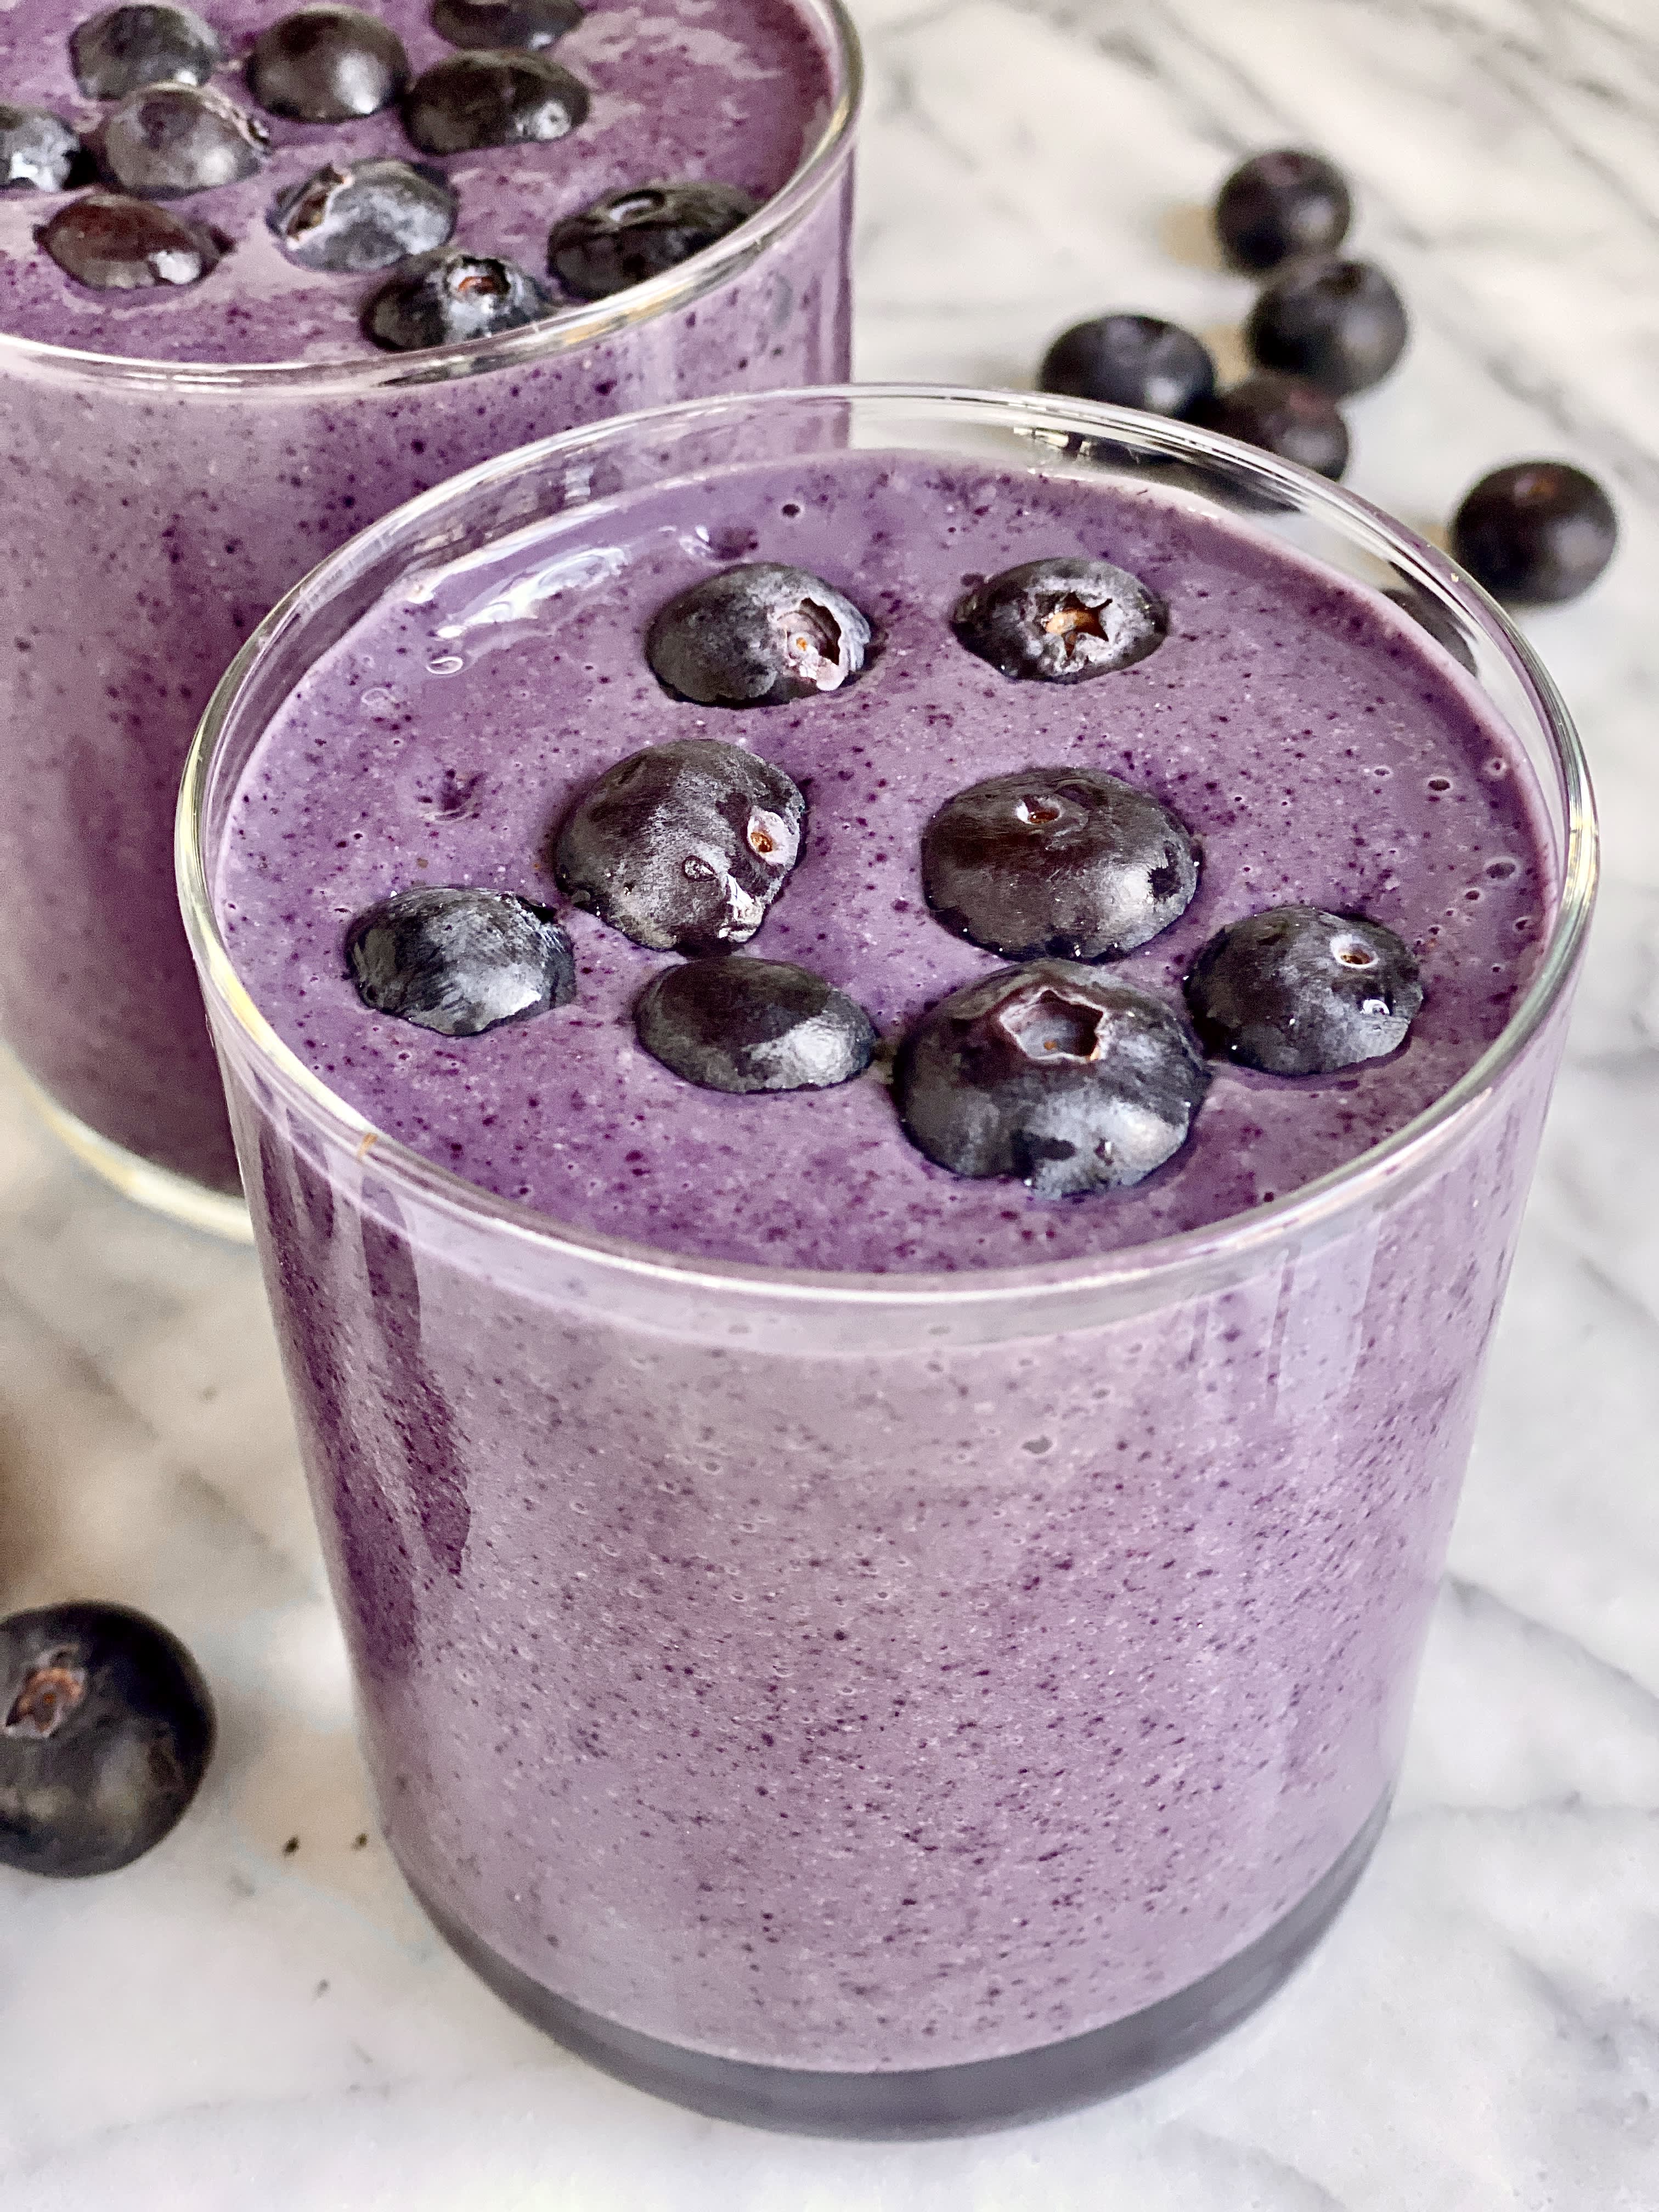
(241, 2026)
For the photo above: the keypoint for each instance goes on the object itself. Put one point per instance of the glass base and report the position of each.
(141, 1180)
(936, 2101)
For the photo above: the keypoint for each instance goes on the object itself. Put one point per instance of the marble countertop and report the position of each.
(256, 2017)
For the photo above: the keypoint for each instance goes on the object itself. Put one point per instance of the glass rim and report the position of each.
(567, 332)
(1393, 1166)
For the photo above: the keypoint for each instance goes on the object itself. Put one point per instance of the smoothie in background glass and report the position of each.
(178, 457)
(844, 1644)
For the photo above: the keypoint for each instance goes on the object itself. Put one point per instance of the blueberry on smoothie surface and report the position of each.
(1061, 621)
(446, 297)
(1280, 205)
(1130, 360)
(1067, 862)
(683, 847)
(173, 139)
(533, 24)
(1282, 415)
(115, 52)
(627, 237)
(459, 961)
(327, 64)
(763, 635)
(37, 148)
(115, 244)
(1535, 533)
(365, 214)
(1339, 324)
(106, 1731)
(1296, 991)
(1063, 1077)
(497, 98)
(743, 1025)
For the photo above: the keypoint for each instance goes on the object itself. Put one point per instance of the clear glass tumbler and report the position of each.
(595, 1514)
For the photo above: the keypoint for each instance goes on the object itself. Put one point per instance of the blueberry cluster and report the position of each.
(1047, 1070)
(169, 133)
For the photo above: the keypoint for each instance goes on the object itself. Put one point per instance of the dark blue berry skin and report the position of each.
(1339, 324)
(459, 962)
(1064, 862)
(1276, 207)
(763, 635)
(173, 139)
(37, 150)
(494, 99)
(1282, 415)
(1061, 621)
(447, 297)
(629, 236)
(106, 1731)
(745, 1025)
(532, 24)
(1296, 991)
(1535, 533)
(115, 244)
(1130, 360)
(1063, 1077)
(123, 48)
(683, 847)
(327, 64)
(366, 216)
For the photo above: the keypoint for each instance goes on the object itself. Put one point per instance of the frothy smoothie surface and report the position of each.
(734, 92)
(1319, 749)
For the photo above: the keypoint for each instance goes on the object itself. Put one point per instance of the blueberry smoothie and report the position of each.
(896, 1446)
(247, 274)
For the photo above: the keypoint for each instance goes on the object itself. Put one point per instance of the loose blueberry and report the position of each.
(1536, 532)
(106, 1731)
(683, 847)
(1069, 1079)
(497, 98)
(759, 635)
(753, 1025)
(123, 48)
(1296, 991)
(327, 64)
(628, 237)
(1061, 621)
(1340, 323)
(1063, 861)
(1130, 360)
(1283, 415)
(37, 148)
(366, 215)
(1277, 206)
(446, 297)
(459, 962)
(118, 244)
(172, 139)
(533, 24)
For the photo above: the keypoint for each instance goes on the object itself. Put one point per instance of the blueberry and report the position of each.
(172, 139)
(106, 1731)
(1061, 621)
(118, 244)
(499, 99)
(1340, 323)
(365, 216)
(628, 237)
(459, 962)
(1067, 1079)
(1283, 415)
(445, 297)
(1296, 991)
(118, 52)
(531, 23)
(753, 1025)
(1536, 532)
(683, 847)
(1277, 206)
(1130, 360)
(37, 148)
(759, 635)
(1066, 861)
(327, 64)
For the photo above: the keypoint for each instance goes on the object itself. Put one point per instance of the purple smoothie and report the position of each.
(165, 508)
